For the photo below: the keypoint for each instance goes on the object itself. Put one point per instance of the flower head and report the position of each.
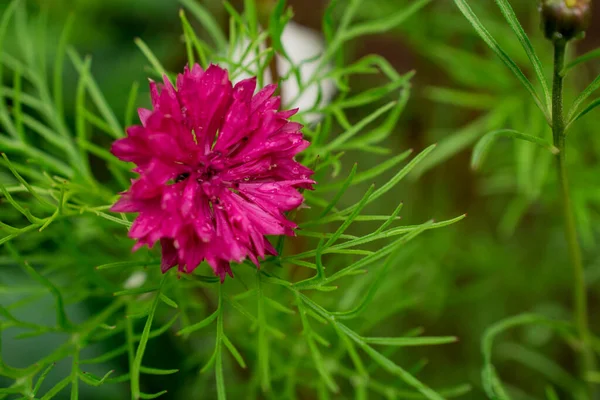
(217, 171)
(565, 18)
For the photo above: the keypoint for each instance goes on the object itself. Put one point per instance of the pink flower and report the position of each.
(217, 171)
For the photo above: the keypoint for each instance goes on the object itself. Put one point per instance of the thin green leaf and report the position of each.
(345, 185)
(208, 22)
(59, 62)
(199, 325)
(106, 356)
(139, 354)
(190, 35)
(148, 396)
(590, 55)
(160, 70)
(491, 382)
(157, 371)
(483, 146)
(583, 112)
(344, 137)
(397, 178)
(97, 96)
(510, 16)
(131, 101)
(387, 23)
(136, 291)
(92, 379)
(61, 316)
(128, 264)
(168, 301)
(356, 209)
(234, 352)
(38, 383)
(57, 388)
(411, 341)
(26, 184)
(587, 92)
(495, 47)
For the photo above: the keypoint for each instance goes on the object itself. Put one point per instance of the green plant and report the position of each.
(550, 103)
(60, 181)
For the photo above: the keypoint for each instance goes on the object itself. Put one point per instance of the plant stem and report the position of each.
(579, 287)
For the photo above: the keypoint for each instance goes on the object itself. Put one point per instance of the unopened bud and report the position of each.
(565, 19)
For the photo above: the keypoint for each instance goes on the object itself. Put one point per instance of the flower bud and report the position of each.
(565, 18)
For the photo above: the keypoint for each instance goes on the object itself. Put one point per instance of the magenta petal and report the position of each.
(216, 171)
(169, 255)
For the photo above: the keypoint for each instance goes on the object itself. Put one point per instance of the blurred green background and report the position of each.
(507, 257)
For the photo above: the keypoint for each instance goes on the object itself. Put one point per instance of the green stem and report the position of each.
(579, 287)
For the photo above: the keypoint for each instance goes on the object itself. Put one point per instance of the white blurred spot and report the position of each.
(136, 280)
(301, 44)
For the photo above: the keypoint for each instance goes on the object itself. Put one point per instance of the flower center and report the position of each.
(205, 171)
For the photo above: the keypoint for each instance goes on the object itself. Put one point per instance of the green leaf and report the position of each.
(356, 209)
(354, 130)
(59, 62)
(208, 22)
(491, 382)
(583, 112)
(590, 55)
(316, 355)
(106, 356)
(482, 147)
(157, 371)
(277, 22)
(57, 388)
(456, 142)
(234, 352)
(368, 297)
(61, 316)
(460, 98)
(38, 383)
(26, 184)
(411, 341)
(505, 58)
(160, 70)
(510, 16)
(591, 376)
(97, 96)
(219, 374)
(159, 331)
(93, 380)
(8, 13)
(128, 264)
(397, 178)
(139, 354)
(554, 372)
(395, 369)
(587, 92)
(345, 185)
(168, 301)
(131, 102)
(387, 23)
(148, 396)
(191, 39)
(551, 394)
(278, 306)
(199, 325)
(141, 290)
